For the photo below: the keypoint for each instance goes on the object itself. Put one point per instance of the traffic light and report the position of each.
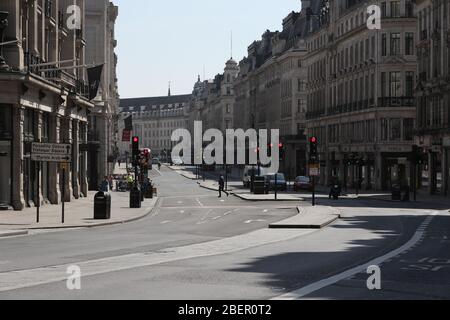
(313, 155)
(135, 150)
(282, 151)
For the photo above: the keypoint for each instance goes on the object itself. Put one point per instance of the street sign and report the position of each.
(126, 136)
(51, 152)
(314, 170)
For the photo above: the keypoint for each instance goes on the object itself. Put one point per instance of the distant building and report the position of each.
(213, 100)
(154, 120)
(271, 90)
(361, 83)
(101, 17)
(433, 94)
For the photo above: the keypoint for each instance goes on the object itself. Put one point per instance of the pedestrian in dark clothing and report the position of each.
(105, 185)
(222, 187)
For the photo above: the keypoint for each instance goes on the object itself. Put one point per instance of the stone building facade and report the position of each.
(361, 83)
(271, 90)
(433, 94)
(101, 17)
(38, 105)
(213, 100)
(154, 121)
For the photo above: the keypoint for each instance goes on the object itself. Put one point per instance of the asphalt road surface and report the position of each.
(197, 246)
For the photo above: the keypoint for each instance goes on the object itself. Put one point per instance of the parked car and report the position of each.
(303, 183)
(280, 181)
(155, 161)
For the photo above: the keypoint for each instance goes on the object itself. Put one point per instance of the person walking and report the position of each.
(222, 187)
(104, 187)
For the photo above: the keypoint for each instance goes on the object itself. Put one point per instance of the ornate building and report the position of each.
(271, 90)
(361, 84)
(433, 91)
(41, 103)
(101, 17)
(154, 121)
(213, 100)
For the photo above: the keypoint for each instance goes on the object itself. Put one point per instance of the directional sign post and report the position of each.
(51, 152)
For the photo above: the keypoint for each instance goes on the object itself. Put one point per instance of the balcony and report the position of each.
(58, 77)
(315, 114)
(393, 102)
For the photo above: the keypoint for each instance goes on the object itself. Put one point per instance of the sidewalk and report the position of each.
(78, 214)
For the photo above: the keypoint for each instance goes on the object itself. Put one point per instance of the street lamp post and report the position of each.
(3, 25)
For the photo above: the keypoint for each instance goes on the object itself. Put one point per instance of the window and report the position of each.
(408, 129)
(409, 84)
(409, 43)
(228, 108)
(384, 129)
(301, 108)
(5, 122)
(396, 132)
(409, 9)
(395, 44)
(383, 10)
(395, 9)
(383, 84)
(395, 84)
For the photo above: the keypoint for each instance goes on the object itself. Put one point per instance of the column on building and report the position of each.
(75, 158)
(39, 138)
(83, 135)
(18, 200)
(53, 171)
(66, 136)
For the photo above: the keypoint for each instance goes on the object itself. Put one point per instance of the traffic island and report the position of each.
(309, 218)
(13, 233)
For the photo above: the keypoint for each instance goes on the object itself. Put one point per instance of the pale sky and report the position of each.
(173, 40)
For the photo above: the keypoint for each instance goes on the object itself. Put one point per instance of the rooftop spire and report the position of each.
(231, 44)
(169, 94)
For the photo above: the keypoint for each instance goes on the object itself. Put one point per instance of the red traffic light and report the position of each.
(313, 140)
(280, 145)
(135, 139)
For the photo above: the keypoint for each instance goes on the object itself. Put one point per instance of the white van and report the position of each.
(250, 171)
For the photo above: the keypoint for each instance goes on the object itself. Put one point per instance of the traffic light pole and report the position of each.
(313, 191)
(415, 181)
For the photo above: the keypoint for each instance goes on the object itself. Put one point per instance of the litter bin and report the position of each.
(135, 198)
(102, 206)
(259, 185)
(396, 192)
(149, 191)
